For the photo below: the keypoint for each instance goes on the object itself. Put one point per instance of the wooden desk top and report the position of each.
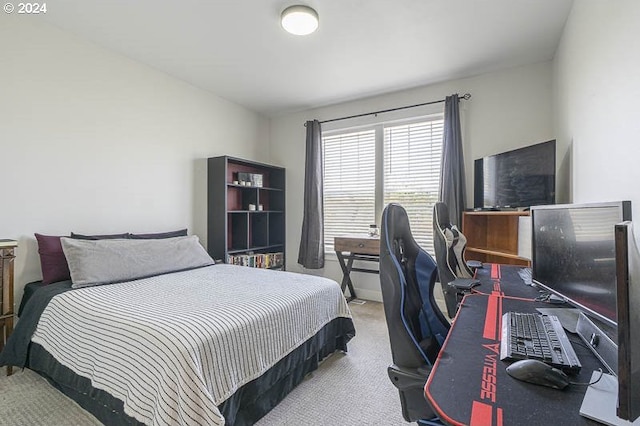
(8, 243)
(363, 244)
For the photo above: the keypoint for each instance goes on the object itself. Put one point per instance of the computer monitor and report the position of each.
(583, 253)
(573, 254)
(628, 310)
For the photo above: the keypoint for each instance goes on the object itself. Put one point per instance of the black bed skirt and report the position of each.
(244, 407)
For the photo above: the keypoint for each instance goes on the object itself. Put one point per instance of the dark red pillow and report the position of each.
(52, 261)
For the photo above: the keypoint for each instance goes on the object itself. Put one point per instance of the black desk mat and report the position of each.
(469, 384)
(505, 280)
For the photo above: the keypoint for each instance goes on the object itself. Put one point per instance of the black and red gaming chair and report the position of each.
(417, 327)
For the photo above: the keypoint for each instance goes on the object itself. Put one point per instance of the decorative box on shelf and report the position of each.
(250, 179)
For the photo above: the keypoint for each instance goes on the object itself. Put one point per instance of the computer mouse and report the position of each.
(539, 373)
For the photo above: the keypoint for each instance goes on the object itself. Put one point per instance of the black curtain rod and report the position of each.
(466, 97)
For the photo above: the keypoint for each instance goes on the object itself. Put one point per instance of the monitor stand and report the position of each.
(601, 399)
(599, 342)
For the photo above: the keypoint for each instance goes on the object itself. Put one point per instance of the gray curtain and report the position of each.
(452, 180)
(311, 254)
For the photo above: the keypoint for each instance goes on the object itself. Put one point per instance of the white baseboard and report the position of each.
(366, 294)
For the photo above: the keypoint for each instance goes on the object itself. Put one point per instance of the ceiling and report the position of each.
(237, 49)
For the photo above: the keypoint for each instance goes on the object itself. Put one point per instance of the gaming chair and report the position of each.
(417, 327)
(449, 245)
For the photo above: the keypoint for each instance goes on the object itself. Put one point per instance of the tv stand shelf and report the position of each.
(494, 253)
(492, 236)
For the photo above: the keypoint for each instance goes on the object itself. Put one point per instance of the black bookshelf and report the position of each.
(246, 212)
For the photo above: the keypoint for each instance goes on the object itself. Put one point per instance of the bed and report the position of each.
(208, 345)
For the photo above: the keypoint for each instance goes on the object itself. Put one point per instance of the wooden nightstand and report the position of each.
(7, 255)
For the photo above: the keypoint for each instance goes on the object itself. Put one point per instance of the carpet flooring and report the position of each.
(347, 389)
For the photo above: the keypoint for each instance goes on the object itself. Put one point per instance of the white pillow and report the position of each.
(95, 262)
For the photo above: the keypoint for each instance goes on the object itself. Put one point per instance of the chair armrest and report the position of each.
(408, 378)
(474, 264)
(464, 283)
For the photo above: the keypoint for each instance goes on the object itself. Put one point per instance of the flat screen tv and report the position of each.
(523, 177)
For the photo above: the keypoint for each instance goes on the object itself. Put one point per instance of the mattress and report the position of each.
(175, 348)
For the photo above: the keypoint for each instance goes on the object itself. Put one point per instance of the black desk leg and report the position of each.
(346, 275)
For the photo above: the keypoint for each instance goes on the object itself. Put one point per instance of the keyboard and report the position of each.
(537, 336)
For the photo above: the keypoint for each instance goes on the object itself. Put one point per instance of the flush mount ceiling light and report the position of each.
(299, 20)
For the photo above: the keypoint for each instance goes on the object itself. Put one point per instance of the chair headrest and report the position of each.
(396, 224)
(441, 216)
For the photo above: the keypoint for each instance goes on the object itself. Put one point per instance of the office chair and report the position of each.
(449, 245)
(417, 327)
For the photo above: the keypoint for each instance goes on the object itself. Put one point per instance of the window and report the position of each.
(364, 170)
(349, 184)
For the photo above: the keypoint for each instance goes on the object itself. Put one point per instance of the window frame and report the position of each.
(379, 127)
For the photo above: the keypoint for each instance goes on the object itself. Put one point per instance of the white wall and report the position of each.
(93, 142)
(509, 109)
(597, 92)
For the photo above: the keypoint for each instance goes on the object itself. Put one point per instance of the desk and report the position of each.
(469, 384)
(356, 247)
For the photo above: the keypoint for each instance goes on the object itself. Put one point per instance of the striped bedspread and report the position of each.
(175, 346)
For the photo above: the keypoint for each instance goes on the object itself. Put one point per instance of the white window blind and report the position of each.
(409, 170)
(412, 156)
(349, 184)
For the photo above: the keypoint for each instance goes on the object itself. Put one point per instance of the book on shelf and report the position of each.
(257, 260)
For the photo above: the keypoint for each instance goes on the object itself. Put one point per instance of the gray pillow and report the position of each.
(95, 262)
